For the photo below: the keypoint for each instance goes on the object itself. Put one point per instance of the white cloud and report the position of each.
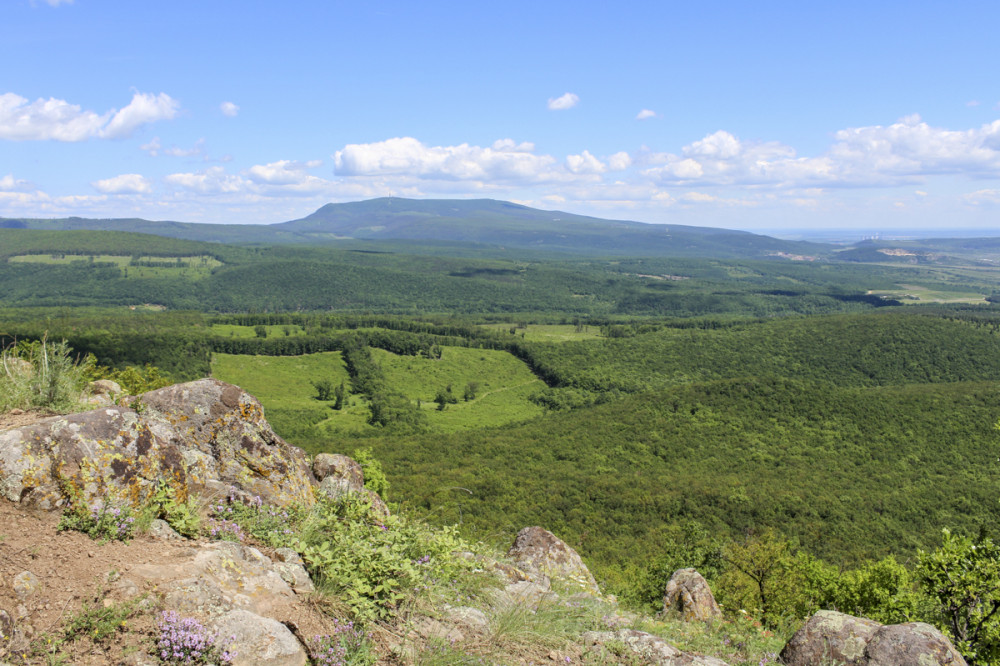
(982, 197)
(504, 161)
(585, 163)
(127, 183)
(906, 151)
(229, 109)
(972, 102)
(58, 120)
(144, 108)
(213, 180)
(196, 151)
(645, 114)
(53, 3)
(567, 101)
(619, 161)
(10, 184)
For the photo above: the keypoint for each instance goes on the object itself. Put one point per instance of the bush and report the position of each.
(376, 563)
(40, 375)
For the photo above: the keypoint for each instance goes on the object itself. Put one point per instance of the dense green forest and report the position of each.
(846, 408)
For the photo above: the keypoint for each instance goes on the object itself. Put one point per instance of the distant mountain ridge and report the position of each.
(480, 223)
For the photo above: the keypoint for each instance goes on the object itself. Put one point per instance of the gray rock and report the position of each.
(258, 641)
(911, 643)
(428, 628)
(652, 649)
(161, 529)
(467, 615)
(539, 551)
(327, 465)
(296, 576)
(688, 595)
(105, 387)
(25, 584)
(288, 555)
(200, 436)
(831, 637)
(218, 577)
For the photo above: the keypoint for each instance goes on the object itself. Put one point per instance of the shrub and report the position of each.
(346, 646)
(233, 519)
(39, 374)
(376, 563)
(100, 521)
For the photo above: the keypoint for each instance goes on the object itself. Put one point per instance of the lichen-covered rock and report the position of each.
(258, 641)
(538, 550)
(105, 387)
(335, 465)
(911, 643)
(688, 594)
(197, 437)
(215, 578)
(652, 649)
(25, 584)
(830, 637)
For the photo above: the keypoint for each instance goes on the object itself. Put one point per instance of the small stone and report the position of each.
(25, 584)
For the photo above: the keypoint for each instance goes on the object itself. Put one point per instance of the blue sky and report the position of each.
(868, 116)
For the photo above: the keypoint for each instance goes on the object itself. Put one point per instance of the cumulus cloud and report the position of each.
(619, 161)
(229, 109)
(566, 101)
(127, 183)
(585, 163)
(10, 184)
(876, 155)
(213, 180)
(505, 160)
(58, 120)
(645, 114)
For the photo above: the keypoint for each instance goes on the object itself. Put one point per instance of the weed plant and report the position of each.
(39, 375)
(347, 645)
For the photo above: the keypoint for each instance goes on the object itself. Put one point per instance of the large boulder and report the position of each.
(688, 595)
(203, 436)
(911, 643)
(538, 551)
(831, 637)
(258, 641)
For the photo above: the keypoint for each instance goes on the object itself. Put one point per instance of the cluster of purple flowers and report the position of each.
(346, 646)
(186, 641)
(422, 560)
(768, 658)
(225, 530)
(112, 522)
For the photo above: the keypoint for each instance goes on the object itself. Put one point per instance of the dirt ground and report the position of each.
(75, 574)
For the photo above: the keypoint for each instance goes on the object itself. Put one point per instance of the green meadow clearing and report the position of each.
(284, 386)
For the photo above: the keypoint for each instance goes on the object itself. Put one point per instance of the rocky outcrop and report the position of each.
(689, 596)
(538, 551)
(204, 437)
(831, 637)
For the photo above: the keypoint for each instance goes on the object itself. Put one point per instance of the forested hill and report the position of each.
(473, 224)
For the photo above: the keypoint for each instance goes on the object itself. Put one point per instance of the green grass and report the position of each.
(190, 267)
(550, 332)
(911, 294)
(273, 330)
(283, 384)
(505, 383)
